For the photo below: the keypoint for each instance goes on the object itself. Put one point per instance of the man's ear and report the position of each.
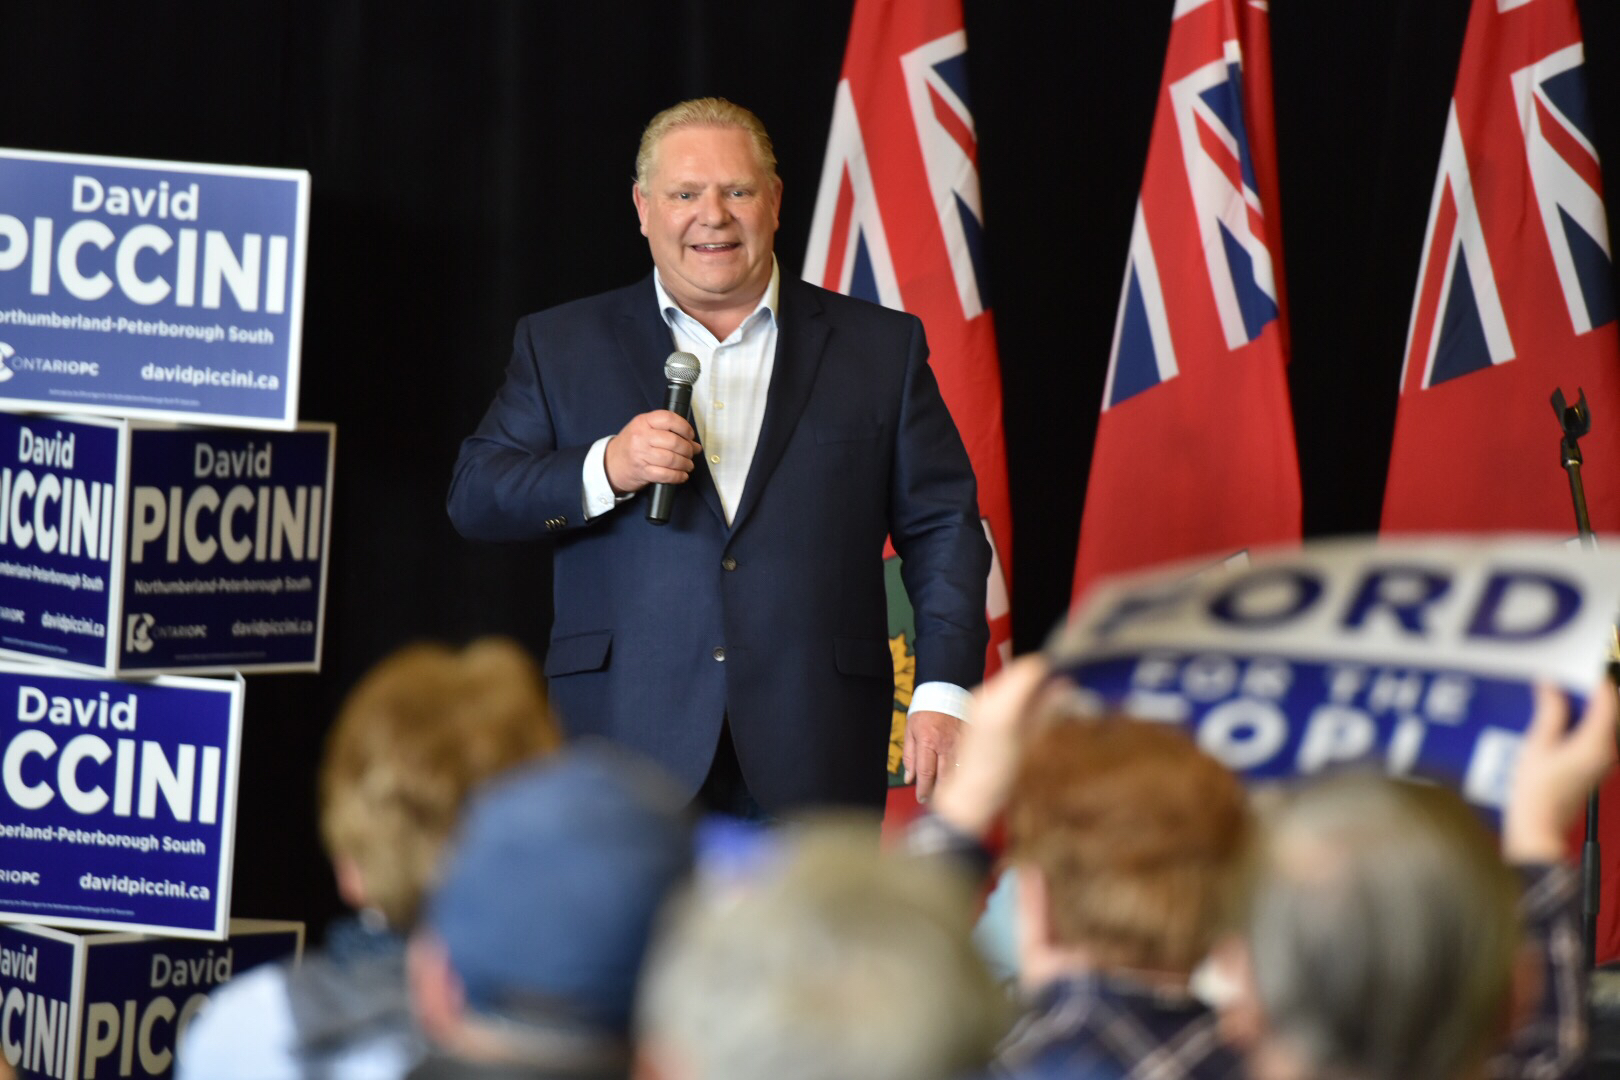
(641, 205)
(437, 996)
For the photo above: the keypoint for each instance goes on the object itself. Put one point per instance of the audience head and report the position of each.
(1381, 933)
(834, 961)
(419, 732)
(531, 944)
(1129, 842)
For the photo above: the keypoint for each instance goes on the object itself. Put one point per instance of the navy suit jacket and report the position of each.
(778, 621)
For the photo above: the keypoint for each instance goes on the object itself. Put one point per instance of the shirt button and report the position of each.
(719, 405)
(714, 459)
(728, 563)
(720, 653)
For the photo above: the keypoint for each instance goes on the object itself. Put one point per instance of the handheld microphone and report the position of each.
(680, 371)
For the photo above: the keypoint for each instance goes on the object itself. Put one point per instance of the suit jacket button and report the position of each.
(728, 563)
(720, 653)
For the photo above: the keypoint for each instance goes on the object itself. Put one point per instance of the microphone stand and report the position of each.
(1576, 420)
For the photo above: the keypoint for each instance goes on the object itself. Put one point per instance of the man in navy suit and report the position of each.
(744, 645)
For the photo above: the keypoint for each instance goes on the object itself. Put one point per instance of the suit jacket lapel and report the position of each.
(800, 337)
(644, 345)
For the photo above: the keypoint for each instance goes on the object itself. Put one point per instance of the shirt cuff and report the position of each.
(599, 494)
(944, 697)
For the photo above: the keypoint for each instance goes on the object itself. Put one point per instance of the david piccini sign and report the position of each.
(128, 547)
(119, 800)
(75, 1005)
(160, 289)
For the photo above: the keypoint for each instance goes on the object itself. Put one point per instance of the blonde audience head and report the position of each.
(1129, 841)
(414, 737)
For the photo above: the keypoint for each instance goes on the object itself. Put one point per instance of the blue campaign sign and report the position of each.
(119, 803)
(1418, 657)
(59, 535)
(226, 557)
(142, 992)
(151, 288)
(41, 986)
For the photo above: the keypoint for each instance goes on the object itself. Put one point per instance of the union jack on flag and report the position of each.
(1208, 107)
(848, 244)
(1568, 182)
(1458, 324)
(1195, 447)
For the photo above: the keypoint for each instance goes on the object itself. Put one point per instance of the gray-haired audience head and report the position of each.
(836, 962)
(1382, 931)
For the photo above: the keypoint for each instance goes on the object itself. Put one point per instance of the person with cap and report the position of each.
(525, 963)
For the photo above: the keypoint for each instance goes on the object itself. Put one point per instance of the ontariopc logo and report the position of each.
(138, 633)
(6, 353)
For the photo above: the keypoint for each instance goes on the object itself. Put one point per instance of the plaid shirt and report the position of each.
(1100, 1027)
(1551, 1044)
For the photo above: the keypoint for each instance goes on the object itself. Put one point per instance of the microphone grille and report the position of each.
(681, 367)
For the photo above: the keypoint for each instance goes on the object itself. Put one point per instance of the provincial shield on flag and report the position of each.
(899, 221)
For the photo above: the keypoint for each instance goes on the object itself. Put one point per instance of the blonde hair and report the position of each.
(420, 731)
(1140, 835)
(709, 112)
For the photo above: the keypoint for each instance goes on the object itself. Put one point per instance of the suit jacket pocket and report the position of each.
(863, 656)
(579, 652)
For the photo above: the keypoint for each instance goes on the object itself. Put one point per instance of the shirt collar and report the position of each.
(767, 303)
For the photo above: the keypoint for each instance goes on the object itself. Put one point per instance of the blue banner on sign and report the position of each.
(58, 533)
(141, 995)
(1273, 717)
(120, 801)
(36, 981)
(151, 288)
(227, 549)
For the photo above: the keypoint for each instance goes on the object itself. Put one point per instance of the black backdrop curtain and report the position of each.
(471, 163)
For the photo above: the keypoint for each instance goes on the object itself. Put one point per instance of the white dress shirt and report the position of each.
(728, 410)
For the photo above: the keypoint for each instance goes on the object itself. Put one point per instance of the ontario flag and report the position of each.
(1195, 447)
(899, 222)
(1515, 299)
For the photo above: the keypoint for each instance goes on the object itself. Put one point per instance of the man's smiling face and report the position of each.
(710, 214)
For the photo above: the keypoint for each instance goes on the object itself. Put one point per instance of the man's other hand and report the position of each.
(653, 448)
(1004, 716)
(930, 748)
